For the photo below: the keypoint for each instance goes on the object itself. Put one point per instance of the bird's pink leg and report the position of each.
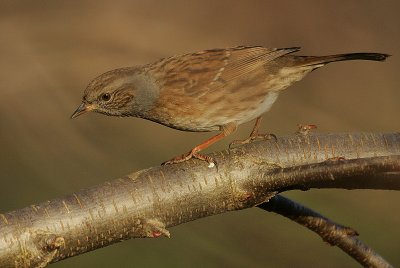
(253, 135)
(226, 130)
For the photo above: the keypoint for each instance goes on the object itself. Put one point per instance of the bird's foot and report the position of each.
(252, 138)
(192, 154)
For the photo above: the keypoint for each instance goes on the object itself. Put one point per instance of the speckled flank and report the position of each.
(218, 87)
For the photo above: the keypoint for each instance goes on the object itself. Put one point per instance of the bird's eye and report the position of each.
(105, 97)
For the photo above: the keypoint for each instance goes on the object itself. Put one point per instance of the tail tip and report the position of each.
(382, 56)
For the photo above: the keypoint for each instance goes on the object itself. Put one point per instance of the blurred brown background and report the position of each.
(50, 50)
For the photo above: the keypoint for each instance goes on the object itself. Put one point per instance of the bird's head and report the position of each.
(117, 93)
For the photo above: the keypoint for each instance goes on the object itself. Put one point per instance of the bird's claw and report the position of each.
(252, 138)
(211, 162)
(178, 159)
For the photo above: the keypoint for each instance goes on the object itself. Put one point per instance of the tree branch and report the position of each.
(335, 234)
(145, 203)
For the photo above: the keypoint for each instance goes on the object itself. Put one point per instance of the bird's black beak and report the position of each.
(83, 108)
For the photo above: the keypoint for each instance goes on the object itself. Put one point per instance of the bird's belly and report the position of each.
(231, 111)
(237, 103)
(256, 111)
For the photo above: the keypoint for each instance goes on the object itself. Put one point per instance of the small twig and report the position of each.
(335, 234)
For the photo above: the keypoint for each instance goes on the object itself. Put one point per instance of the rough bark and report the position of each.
(335, 234)
(146, 202)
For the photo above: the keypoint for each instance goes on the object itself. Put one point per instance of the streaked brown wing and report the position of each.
(196, 74)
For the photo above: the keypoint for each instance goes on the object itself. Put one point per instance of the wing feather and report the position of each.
(197, 74)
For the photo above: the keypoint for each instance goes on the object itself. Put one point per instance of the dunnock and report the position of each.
(210, 90)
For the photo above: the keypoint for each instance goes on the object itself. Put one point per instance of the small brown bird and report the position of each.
(210, 90)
